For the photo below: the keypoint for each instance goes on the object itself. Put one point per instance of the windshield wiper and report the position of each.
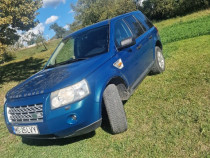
(71, 61)
(50, 66)
(65, 62)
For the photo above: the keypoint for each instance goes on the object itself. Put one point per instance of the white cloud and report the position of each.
(52, 3)
(51, 19)
(71, 11)
(36, 30)
(27, 35)
(66, 27)
(39, 28)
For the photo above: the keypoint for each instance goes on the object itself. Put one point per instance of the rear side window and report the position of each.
(148, 22)
(135, 26)
(121, 32)
(145, 20)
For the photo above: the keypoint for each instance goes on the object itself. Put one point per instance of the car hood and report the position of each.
(49, 80)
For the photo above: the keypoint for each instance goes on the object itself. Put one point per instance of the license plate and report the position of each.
(26, 130)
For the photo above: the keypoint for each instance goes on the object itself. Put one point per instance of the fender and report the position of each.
(102, 80)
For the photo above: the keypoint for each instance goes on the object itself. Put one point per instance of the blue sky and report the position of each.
(52, 11)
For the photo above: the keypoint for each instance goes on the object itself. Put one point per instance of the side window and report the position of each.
(135, 26)
(139, 20)
(66, 49)
(148, 22)
(145, 20)
(121, 32)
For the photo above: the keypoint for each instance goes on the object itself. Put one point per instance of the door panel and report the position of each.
(148, 27)
(128, 55)
(137, 58)
(141, 48)
(146, 51)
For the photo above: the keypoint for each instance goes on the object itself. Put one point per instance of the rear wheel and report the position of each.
(159, 65)
(114, 109)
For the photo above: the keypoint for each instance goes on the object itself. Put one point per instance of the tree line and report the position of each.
(164, 9)
(88, 12)
(19, 15)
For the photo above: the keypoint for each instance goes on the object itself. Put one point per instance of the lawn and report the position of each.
(168, 115)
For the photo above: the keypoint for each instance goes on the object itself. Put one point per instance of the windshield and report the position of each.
(82, 46)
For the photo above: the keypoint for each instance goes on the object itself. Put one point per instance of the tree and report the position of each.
(29, 38)
(88, 12)
(16, 15)
(59, 31)
(32, 38)
(39, 38)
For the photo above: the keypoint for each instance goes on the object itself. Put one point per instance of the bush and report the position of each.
(164, 9)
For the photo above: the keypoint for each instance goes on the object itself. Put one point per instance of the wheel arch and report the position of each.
(100, 86)
(159, 44)
(122, 87)
(121, 84)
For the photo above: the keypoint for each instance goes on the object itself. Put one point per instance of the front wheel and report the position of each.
(115, 109)
(159, 65)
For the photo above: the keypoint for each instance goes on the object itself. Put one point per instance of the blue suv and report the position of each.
(86, 79)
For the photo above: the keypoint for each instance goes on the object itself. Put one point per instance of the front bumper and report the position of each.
(78, 132)
(58, 123)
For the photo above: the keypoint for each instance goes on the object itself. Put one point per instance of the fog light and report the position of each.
(72, 119)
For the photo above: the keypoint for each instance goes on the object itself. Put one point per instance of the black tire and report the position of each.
(115, 110)
(159, 65)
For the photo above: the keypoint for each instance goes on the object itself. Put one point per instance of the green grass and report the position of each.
(185, 30)
(168, 115)
(37, 51)
(193, 16)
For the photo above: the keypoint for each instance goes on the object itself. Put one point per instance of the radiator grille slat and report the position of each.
(23, 114)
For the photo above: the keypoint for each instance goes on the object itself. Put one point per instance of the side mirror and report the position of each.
(127, 43)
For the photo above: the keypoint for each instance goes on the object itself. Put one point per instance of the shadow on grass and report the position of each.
(59, 142)
(43, 50)
(19, 71)
(106, 126)
(6, 57)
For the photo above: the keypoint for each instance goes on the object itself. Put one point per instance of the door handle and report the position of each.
(150, 37)
(139, 46)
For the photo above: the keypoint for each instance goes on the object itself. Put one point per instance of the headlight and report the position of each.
(8, 114)
(69, 94)
(5, 100)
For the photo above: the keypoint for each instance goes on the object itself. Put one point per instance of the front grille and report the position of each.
(23, 114)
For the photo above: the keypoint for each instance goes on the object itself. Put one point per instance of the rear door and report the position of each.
(149, 35)
(143, 45)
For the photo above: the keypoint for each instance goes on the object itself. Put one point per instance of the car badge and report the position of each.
(34, 116)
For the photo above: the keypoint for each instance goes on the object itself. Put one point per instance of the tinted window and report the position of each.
(134, 25)
(139, 20)
(148, 22)
(121, 32)
(144, 19)
(92, 42)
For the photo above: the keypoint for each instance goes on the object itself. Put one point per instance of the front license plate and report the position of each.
(26, 130)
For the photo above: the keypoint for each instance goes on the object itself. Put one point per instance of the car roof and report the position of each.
(102, 23)
(123, 15)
